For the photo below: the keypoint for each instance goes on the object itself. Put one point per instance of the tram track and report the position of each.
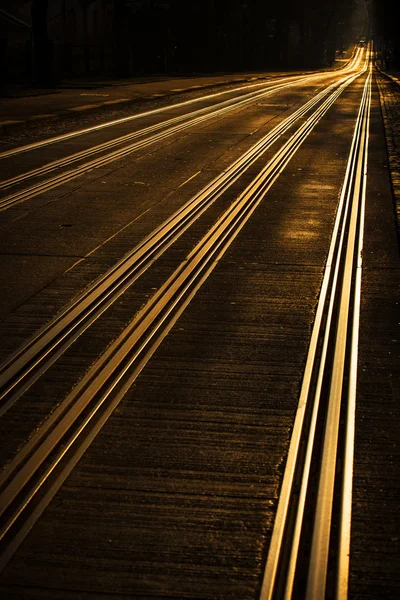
(352, 64)
(88, 130)
(20, 371)
(187, 119)
(316, 527)
(150, 135)
(33, 476)
(131, 142)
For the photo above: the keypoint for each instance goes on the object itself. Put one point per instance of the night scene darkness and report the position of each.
(199, 300)
(51, 40)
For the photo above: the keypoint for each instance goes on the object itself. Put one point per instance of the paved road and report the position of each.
(32, 107)
(176, 497)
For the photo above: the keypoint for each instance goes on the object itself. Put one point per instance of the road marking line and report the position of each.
(115, 101)
(84, 107)
(10, 122)
(42, 116)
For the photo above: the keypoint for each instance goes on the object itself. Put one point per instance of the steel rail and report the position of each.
(329, 283)
(66, 176)
(27, 364)
(340, 287)
(210, 111)
(348, 458)
(34, 475)
(323, 518)
(88, 130)
(354, 63)
(195, 118)
(161, 238)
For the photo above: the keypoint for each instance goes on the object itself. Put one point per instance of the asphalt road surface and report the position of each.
(170, 282)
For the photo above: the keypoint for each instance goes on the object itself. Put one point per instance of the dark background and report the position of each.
(48, 41)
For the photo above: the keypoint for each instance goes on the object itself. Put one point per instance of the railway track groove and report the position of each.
(64, 177)
(327, 396)
(66, 136)
(188, 120)
(151, 135)
(27, 364)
